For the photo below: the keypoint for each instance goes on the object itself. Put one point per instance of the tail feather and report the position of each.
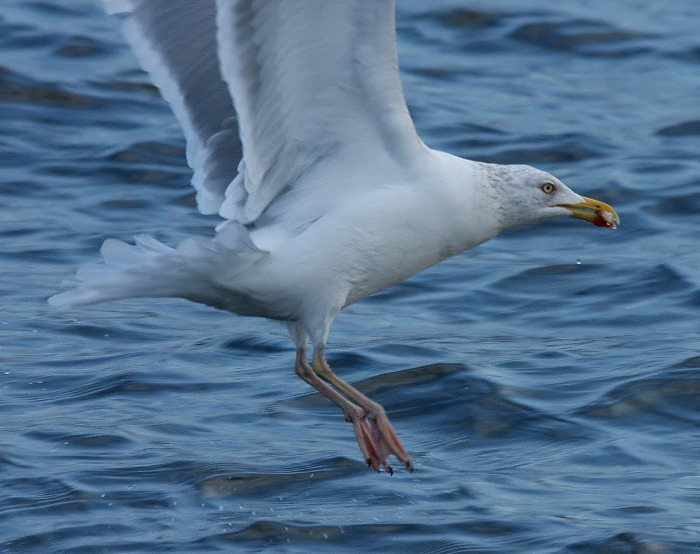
(150, 268)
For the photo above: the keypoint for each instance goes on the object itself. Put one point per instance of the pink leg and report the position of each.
(369, 432)
(382, 438)
(353, 413)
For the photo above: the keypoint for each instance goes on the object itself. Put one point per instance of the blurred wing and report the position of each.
(175, 41)
(314, 81)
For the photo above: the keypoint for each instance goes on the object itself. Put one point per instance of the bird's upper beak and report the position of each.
(597, 212)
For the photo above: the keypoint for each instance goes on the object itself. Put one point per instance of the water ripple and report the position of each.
(545, 383)
(587, 38)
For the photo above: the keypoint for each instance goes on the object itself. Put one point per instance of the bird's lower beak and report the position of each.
(597, 212)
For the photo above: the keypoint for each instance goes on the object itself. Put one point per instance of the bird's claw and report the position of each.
(377, 441)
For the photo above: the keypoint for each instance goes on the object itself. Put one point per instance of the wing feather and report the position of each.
(175, 41)
(311, 79)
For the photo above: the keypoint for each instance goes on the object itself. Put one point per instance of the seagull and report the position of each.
(299, 138)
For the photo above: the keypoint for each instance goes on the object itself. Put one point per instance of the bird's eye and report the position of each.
(547, 188)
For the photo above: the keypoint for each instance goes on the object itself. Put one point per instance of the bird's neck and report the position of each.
(469, 213)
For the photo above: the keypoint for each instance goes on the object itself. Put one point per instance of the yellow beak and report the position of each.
(597, 212)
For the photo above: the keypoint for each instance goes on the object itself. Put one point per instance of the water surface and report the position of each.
(547, 383)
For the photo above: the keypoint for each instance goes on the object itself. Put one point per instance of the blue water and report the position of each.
(547, 383)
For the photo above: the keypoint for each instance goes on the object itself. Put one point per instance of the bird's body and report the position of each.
(327, 193)
(377, 233)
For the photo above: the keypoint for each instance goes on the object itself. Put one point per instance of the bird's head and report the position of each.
(528, 195)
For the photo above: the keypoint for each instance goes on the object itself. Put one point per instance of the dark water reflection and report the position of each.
(547, 384)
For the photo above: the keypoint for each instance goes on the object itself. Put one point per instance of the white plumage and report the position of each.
(300, 138)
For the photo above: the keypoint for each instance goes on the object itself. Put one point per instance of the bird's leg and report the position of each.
(353, 413)
(382, 437)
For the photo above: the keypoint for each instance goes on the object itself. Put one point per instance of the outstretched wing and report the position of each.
(175, 41)
(311, 81)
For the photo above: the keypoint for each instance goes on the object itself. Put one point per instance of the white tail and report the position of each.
(150, 268)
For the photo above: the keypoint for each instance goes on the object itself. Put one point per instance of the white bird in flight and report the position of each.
(299, 137)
